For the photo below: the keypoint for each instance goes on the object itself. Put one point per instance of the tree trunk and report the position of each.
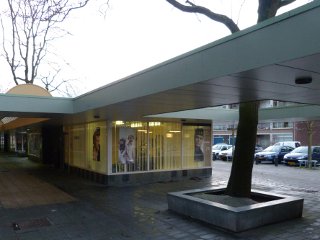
(239, 184)
(309, 132)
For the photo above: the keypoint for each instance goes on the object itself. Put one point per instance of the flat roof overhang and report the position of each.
(299, 112)
(12, 105)
(259, 63)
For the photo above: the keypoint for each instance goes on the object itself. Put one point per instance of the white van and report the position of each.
(217, 148)
(293, 144)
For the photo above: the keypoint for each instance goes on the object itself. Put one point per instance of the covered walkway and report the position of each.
(18, 188)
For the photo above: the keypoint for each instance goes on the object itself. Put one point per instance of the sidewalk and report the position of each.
(86, 210)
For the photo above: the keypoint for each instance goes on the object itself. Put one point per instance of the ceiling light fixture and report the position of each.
(303, 80)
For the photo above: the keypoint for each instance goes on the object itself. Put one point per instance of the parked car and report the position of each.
(258, 149)
(293, 144)
(217, 148)
(272, 153)
(227, 155)
(301, 153)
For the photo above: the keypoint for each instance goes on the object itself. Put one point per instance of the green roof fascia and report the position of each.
(35, 104)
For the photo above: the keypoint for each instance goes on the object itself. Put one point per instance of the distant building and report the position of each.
(301, 132)
(268, 132)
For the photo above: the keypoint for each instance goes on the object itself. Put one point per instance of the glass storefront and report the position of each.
(13, 145)
(35, 144)
(129, 146)
(137, 146)
(164, 145)
(159, 146)
(196, 146)
(86, 146)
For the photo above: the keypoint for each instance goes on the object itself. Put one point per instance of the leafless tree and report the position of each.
(309, 127)
(53, 83)
(28, 28)
(239, 184)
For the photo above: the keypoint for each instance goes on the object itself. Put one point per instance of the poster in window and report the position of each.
(198, 145)
(127, 146)
(96, 144)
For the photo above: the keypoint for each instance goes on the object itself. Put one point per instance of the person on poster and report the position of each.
(96, 145)
(130, 149)
(127, 150)
(198, 145)
(122, 151)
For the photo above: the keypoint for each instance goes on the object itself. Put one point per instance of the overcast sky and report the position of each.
(134, 35)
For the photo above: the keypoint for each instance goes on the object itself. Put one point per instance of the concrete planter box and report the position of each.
(271, 208)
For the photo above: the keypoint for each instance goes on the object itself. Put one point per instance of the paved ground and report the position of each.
(88, 210)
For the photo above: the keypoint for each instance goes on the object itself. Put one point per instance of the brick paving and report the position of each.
(140, 212)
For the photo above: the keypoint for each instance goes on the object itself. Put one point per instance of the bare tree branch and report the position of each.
(6, 56)
(33, 24)
(228, 22)
(240, 9)
(103, 8)
(268, 8)
(63, 87)
(285, 3)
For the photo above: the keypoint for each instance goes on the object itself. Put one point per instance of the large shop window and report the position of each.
(86, 146)
(97, 146)
(75, 154)
(35, 144)
(130, 146)
(165, 145)
(196, 146)
(13, 145)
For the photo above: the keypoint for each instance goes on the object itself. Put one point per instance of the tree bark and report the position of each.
(228, 22)
(268, 8)
(309, 132)
(239, 184)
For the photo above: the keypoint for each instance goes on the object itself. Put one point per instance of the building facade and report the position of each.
(137, 151)
(123, 152)
(268, 133)
(85, 134)
(303, 129)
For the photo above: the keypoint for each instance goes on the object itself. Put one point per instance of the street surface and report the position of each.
(72, 208)
(282, 178)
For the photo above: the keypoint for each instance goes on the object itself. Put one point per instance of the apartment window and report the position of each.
(264, 126)
(282, 137)
(282, 125)
(220, 127)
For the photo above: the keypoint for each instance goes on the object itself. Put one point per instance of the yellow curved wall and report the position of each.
(29, 89)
